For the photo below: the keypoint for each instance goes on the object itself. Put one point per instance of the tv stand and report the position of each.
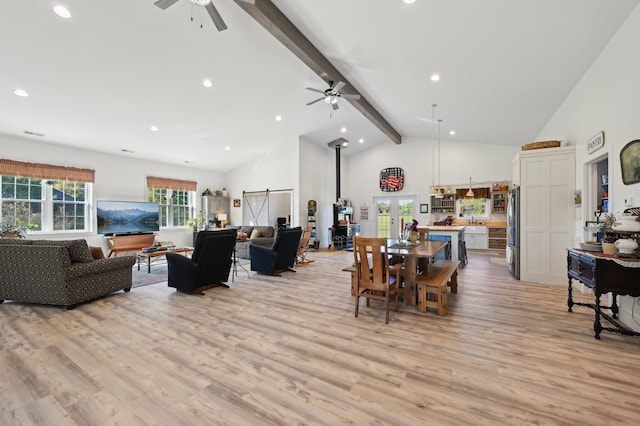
(128, 243)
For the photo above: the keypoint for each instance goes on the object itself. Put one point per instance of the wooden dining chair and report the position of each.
(375, 278)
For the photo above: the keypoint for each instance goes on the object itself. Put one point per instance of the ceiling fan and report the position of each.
(332, 94)
(211, 9)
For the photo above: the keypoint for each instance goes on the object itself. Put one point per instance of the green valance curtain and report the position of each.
(477, 193)
(45, 171)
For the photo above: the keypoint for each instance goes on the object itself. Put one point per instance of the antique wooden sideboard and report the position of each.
(603, 274)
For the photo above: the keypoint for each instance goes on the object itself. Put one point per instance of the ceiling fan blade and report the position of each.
(317, 100)
(349, 96)
(215, 17)
(315, 90)
(163, 4)
(339, 86)
(335, 106)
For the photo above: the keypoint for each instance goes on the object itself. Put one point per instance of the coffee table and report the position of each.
(150, 257)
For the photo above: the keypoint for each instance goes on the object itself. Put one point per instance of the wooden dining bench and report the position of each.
(434, 282)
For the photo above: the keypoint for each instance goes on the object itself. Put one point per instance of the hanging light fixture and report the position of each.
(440, 195)
(470, 193)
(433, 190)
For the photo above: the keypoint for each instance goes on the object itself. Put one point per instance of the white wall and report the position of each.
(274, 170)
(458, 160)
(606, 98)
(318, 182)
(116, 177)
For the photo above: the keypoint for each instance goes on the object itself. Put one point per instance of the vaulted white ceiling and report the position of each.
(100, 79)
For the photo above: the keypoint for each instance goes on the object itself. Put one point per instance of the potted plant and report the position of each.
(11, 230)
(609, 237)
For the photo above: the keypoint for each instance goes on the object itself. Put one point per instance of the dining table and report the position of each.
(411, 252)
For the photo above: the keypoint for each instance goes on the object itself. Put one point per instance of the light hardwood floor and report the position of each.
(288, 350)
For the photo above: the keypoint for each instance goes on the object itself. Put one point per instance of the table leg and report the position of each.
(410, 281)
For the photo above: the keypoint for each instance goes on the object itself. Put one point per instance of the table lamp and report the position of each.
(222, 217)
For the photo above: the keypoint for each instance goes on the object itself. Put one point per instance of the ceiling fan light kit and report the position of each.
(331, 95)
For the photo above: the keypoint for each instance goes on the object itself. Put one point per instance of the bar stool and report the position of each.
(462, 253)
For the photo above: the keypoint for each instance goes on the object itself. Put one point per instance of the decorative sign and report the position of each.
(595, 143)
(391, 179)
(364, 212)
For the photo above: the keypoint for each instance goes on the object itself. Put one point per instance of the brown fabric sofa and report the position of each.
(59, 272)
(266, 238)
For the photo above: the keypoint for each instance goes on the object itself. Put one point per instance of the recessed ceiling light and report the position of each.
(278, 118)
(435, 77)
(345, 143)
(409, 1)
(154, 128)
(452, 132)
(62, 11)
(20, 92)
(343, 130)
(360, 140)
(207, 83)
(227, 148)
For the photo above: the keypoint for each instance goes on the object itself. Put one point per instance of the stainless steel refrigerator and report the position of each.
(513, 232)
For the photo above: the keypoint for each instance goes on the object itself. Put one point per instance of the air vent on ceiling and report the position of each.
(29, 132)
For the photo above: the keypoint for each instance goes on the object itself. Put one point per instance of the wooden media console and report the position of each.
(129, 243)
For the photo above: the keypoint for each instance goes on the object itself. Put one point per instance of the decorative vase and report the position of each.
(626, 246)
(609, 248)
(413, 236)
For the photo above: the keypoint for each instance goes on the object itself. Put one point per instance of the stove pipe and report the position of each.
(338, 144)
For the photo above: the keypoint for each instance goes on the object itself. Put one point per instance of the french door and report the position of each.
(391, 212)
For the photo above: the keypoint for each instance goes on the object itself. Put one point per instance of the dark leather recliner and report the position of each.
(281, 256)
(209, 265)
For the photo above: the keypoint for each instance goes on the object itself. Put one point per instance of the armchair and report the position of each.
(281, 256)
(209, 265)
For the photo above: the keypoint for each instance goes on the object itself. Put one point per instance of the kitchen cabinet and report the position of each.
(499, 202)
(497, 237)
(475, 237)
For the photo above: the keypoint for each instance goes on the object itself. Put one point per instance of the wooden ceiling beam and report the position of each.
(274, 21)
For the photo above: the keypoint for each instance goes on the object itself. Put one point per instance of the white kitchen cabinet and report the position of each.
(547, 212)
(476, 237)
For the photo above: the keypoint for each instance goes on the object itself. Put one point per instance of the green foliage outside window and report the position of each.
(476, 207)
(174, 204)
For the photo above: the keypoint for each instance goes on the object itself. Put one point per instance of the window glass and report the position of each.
(68, 206)
(48, 206)
(476, 207)
(175, 205)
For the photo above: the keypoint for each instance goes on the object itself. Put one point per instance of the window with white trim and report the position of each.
(175, 205)
(45, 205)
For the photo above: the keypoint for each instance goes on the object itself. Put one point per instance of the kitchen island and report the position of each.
(455, 233)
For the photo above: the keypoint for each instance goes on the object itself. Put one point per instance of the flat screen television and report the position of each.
(127, 217)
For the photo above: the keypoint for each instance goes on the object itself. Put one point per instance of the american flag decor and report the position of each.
(391, 179)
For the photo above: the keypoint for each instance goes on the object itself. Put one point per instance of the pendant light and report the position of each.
(470, 193)
(440, 195)
(433, 191)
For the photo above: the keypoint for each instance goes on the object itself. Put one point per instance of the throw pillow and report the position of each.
(78, 249)
(96, 252)
(255, 234)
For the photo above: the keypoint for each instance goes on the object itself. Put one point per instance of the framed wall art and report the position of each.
(424, 208)
(391, 179)
(630, 162)
(236, 202)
